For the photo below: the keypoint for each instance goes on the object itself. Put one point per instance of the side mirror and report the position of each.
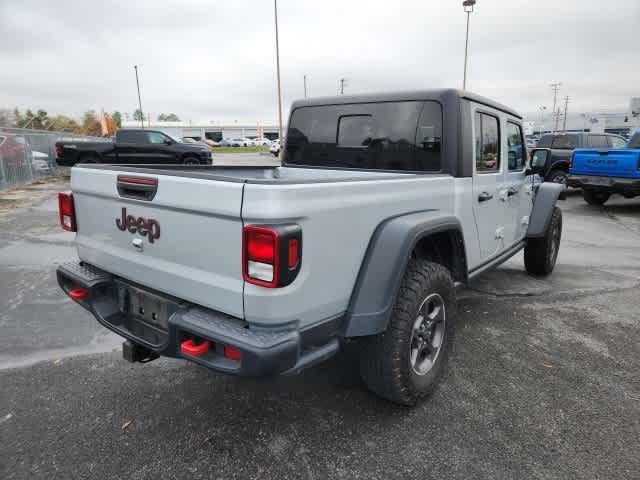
(168, 142)
(539, 158)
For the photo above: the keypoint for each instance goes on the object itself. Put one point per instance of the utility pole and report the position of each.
(139, 98)
(542, 109)
(305, 86)
(343, 83)
(275, 8)
(556, 87)
(566, 106)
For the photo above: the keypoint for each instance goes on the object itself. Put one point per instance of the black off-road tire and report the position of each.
(385, 363)
(189, 160)
(540, 254)
(595, 197)
(558, 176)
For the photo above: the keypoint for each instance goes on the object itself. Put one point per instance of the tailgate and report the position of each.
(184, 241)
(607, 163)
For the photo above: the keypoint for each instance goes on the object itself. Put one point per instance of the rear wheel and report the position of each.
(405, 363)
(558, 176)
(541, 254)
(595, 197)
(190, 161)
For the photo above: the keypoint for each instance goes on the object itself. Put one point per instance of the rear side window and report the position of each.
(126, 136)
(617, 142)
(517, 155)
(565, 142)
(487, 141)
(598, 141)
(401, 136)
(545, 141)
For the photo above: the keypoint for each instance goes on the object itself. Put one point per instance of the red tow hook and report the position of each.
(78, 294)
(190, 347)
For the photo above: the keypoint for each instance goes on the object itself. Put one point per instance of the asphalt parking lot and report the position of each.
(544, 381)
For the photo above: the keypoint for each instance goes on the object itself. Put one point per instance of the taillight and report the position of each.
(271, 255)
(59, 150)
(67, 212)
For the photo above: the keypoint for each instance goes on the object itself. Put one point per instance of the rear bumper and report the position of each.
(611, 184)
(263, 351)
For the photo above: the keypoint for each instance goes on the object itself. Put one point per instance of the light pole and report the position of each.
(275, 8)
(305, 86)
(139, 100)
(467, 5)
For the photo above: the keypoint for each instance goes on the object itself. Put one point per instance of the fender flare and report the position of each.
(384, 264)
(543, 204)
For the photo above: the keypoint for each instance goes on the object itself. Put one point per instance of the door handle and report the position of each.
(484, 196)
(512, 191)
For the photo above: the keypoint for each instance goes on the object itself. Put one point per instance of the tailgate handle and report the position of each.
(140, 188)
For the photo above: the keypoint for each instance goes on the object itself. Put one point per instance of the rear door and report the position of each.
(177, 241)
(488, 183)
(519, 198)
(131, 147)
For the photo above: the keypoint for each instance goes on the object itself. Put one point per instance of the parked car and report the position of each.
(135, 146)
(232, 142)
(562, 145)
(272, 282)
(603, 172)
(263, 142)
(275, 147)
(14, 150)
(211, 143)
(40, 162)
(249, 142)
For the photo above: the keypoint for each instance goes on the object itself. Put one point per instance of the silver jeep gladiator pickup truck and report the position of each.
(383, 205)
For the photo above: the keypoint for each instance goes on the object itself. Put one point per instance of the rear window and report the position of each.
(566, 142)
(403, 136)
(598, 141)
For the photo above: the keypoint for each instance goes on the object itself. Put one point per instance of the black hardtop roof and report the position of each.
(442, 94)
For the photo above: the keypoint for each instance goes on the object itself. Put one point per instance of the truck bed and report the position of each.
(268, 174)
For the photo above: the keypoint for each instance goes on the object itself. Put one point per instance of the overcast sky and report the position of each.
(215, 60)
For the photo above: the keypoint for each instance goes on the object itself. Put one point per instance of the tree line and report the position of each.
(88, 124)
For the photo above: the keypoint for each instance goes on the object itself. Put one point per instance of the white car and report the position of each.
(39, 161)
(263, 142)
(275, 147)
(249, 142)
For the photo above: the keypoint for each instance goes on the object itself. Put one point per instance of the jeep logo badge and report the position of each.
(147, 227)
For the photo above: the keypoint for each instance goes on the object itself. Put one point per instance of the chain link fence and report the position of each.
(27, 155)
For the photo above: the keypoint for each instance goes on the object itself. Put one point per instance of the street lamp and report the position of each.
(467, 5)
(275, 8)
(139, 100)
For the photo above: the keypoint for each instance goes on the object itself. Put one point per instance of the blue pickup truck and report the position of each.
(603, 172)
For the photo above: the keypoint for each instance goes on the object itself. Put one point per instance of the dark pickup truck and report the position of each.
(133, 146)
(562, 145)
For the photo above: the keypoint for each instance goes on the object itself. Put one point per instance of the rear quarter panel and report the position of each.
(338, 220)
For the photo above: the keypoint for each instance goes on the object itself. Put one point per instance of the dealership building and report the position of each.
(212, 132)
